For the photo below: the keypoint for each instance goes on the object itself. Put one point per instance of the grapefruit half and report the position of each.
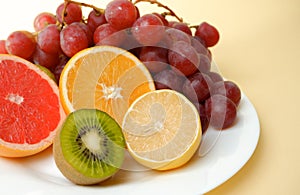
(30, 108)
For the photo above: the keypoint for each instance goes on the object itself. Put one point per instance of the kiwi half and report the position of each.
(90, 147)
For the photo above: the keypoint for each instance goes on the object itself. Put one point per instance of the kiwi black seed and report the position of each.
(89, 147)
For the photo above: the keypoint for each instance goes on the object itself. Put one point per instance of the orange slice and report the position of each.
(30, 109)
(162, 129)
(106, 78)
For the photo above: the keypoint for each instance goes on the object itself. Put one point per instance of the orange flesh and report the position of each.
(115, 82)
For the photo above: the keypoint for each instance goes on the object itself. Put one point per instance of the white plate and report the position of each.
(217, 160)
(233, 148)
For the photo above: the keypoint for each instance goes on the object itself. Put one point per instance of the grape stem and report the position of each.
(66, 2)
(170, 11)
(64, 13)
(194, 26)
(97, 9)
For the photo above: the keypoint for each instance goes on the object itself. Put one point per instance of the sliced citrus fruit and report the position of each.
(162, 129)
(30, 109)
(106, 78)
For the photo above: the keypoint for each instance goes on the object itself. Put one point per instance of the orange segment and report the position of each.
(162, 129)
(30, 109)
(104, 77)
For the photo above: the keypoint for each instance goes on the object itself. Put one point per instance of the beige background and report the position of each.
(260, 50)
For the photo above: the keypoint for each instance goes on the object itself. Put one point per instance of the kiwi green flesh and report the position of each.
(90, 147)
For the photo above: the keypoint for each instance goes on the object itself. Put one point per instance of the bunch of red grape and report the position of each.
(177, 57)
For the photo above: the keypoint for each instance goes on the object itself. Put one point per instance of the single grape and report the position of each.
(203, 117)
(199, 46)
(183, 27)
(42, 20)
(197, 87)
(73, 13)
(48, 60)
(131, 44)
(148, 30)
(73, 39)
(95, 19)
(48, 39)
(228, 89)
(183, 58)
(138, 14)
(214, 76)
(208, 33)
(21, 43)
(105, 34)
(171, 23)
(204, 64)
(88, 32)
(168, 79)
(173, 35)
(200, 40)
(221, 111)
(154, 58)
(62, 61)
(3, 47)
(120, 14)
(162, 18)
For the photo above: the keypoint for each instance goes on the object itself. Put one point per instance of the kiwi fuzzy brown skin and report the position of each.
(68, 170)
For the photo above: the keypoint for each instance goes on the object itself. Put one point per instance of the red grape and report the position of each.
(42, 20)
(171, 23)
(148, 30)
(73, 39)
(228, 89)
(73, 13)
(203, 117)
(105, 34)
(201, 41)
(208, 33)
(62, 61)
(183, 58)
(120, 14)
(49, 39)
(221, 111)
(138, 14)
(48, 60)
(95, 19)
(131, 44)
(204, 64)
(89, 34)
(182, 27)
(173, 35)
(197, 87)
(215, 77)
(199, 47)
(168, 79)
(21, 43)
(154, 58)
(162, 18)
(209, 54)
(3, 47)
